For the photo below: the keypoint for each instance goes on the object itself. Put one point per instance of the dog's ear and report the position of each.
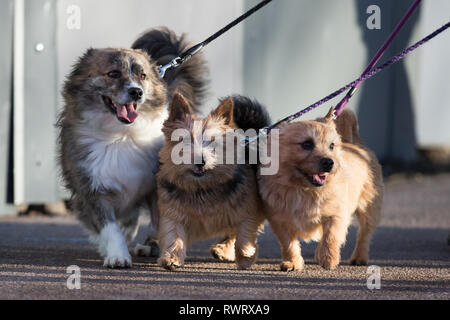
(179, 108)
(330, 116)
(225, 111)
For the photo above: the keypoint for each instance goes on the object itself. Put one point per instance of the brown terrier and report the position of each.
(326, 174)
(200, 200)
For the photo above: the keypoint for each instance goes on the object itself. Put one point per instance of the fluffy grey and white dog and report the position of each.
(110, 134)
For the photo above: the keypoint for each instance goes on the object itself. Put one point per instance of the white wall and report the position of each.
(432, 84)
(5, 104)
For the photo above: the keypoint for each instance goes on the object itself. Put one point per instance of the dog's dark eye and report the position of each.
(308, 145)
(115, 74)
(143, 76)
(332, 146)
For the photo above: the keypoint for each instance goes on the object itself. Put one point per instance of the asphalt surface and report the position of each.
(410, 247)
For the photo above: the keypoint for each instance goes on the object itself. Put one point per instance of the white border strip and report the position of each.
(19, 101)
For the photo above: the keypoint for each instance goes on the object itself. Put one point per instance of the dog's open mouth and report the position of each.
(317, 179)
(125, 113)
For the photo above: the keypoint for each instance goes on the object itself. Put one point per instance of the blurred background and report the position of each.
(289, 55)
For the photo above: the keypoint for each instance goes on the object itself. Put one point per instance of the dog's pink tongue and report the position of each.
(319, 178)
(127, 112)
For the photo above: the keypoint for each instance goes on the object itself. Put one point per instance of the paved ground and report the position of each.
(410, 246)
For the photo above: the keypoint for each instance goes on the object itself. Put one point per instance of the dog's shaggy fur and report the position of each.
(110, 134)
(322, 181)
(209, 199)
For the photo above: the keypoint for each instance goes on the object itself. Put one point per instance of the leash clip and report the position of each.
(180, 59)
(172, 64)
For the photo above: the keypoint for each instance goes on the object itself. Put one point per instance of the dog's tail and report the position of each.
(190, 78)
(249, 114)
(347, 127)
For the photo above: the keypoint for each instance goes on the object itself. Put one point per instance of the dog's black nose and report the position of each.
(326, 164)
(135, 93)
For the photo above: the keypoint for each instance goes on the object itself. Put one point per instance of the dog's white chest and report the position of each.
(123, 162)
(120, 165)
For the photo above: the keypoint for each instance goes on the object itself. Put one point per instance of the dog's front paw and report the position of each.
(170, 263)
(113, 247)
(329, 264)
(288, 266)
(118, 261)
(246, 257)
(327, 259)
(245, 263)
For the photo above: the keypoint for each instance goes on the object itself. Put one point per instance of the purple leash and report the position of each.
(365, 76)
(341, 105)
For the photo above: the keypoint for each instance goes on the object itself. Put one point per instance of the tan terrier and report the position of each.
(326, 174)
(208, 198)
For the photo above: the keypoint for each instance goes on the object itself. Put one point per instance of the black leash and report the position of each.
(195, 49)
